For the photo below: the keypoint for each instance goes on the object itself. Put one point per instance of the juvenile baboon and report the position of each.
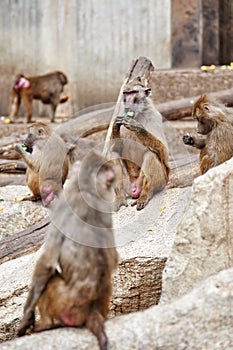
(141, 145)
(215, 124)
(46, 156)
(71, 284)
(46, 88)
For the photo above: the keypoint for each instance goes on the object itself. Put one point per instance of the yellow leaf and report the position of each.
(163, 208)
(16, 200)
(208, 67)
(1, 208)
(149, 229)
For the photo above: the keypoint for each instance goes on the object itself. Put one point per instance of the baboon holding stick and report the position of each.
(214, 135)
(46, 88)
(71, 284)
(141, 145)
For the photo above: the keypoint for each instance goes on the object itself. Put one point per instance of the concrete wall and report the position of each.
(186, 28)
(93, 42)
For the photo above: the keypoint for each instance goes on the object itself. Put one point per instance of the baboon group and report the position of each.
(72, 280)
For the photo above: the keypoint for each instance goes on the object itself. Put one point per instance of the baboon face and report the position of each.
(134, 97)
(204, 126)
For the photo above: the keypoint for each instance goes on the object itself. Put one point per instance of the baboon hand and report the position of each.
(27, 322)
(119, 120)
(132, 124)
(188, 139)
(18, 148)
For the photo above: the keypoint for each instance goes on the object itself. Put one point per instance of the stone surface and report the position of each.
(15, 216)
(210, 32)
(144, 239)
(15, 279)
(191, 82)
(226, 35)
(202, 319)
(204, 241)
(186, 25)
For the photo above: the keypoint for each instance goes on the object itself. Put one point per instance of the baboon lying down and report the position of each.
(46, 88)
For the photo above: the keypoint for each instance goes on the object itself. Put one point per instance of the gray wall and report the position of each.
(93, 42)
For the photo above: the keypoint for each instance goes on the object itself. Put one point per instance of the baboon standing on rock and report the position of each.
(72, 284)
(46, 88)
(141, 144)
(214, 135)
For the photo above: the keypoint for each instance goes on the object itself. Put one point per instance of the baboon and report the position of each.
(71, 284)
(215, 124)
(46, 88)
(46, 156)
(141, 145)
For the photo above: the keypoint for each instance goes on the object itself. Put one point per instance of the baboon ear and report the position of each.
(147, 92)
(206, 107)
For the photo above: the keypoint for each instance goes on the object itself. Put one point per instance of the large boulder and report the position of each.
(204, 241)
(202, 319)
(144, 240)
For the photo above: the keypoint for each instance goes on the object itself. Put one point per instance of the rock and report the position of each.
(15, 216)
(15, 279)
(202, 319)
(144, 240)
(204, 242)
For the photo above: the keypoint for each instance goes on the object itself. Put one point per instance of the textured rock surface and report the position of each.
(15, 279)
(204, 242)
(199, 320)
(15, 216)
(144, 242)
(191, 82)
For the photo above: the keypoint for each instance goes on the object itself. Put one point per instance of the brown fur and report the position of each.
(216, 122)
(217, 108)
(141, 145)
(72, 284)
(47, 165)
(46, 88)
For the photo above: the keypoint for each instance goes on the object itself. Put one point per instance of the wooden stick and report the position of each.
(24, 242)
(13, 166)
(141, 67)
